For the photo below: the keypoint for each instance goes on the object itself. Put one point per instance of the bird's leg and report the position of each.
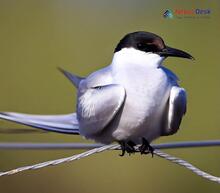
(127, 147)
(146, 148)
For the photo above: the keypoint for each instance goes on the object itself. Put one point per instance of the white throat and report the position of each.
(132, 57)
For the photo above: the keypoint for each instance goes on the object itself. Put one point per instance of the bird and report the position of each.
(133, 101)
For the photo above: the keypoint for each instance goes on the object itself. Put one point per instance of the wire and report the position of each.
(59, 161)
(187, 165)
(55, 146)
(117, 147)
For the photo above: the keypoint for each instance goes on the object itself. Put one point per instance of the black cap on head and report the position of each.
(144, 41)
(149, 42)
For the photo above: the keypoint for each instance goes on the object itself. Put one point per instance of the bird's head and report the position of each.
(150, 43)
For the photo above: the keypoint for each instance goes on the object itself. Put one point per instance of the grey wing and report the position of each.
(97, 106)
(176, 108)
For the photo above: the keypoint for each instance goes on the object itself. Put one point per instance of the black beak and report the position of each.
(168, 51)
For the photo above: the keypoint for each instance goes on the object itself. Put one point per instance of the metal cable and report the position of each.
(113, 147)
(56, 146)
(187, 165)
(59, 161)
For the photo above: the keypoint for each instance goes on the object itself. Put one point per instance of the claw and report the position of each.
(127, 147)
(146, 148)
(122, 148)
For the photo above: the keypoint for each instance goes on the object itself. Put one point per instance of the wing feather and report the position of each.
(176, 110)
(57, 123)
(98, 106)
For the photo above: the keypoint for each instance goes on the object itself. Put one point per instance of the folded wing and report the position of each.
(176, 108)
(97, 106)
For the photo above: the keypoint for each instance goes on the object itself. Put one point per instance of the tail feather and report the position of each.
(72, 77)
(67, 124)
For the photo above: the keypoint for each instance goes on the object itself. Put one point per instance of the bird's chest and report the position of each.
(146, 94)
(145, 87)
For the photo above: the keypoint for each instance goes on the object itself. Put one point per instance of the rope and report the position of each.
(113, 147)
(59, 161)
(187, 165)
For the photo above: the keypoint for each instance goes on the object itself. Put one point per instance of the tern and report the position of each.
(134, 100)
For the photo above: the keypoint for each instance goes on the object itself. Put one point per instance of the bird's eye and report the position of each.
(140, 46)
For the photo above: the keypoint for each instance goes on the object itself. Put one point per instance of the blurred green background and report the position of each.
(38, 36)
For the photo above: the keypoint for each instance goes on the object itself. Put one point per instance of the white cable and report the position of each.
(59, 161)
(112, 147)
(187, 165)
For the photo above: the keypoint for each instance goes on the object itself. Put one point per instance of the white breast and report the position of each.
(147, 88)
